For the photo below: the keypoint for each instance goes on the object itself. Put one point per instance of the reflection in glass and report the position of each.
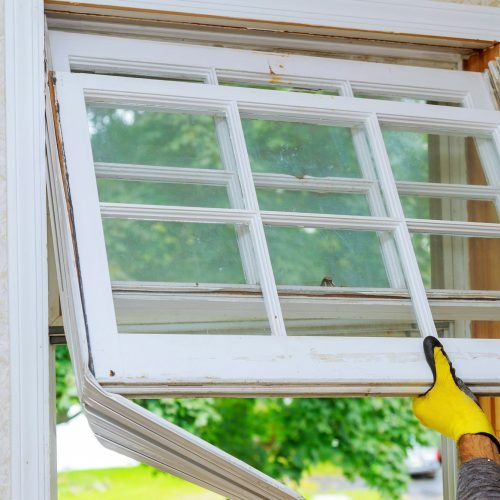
(410, 99)
(300, 149)
(279, 86)
(283, 200)
(423, 157)
(174, 314)
(456, 209)
(140, 137)
(308, 256)
(172, 252)
(334, 327)
(158, 193)
(458, 262)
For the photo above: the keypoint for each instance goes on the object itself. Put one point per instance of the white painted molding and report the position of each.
(28, 314)
(469, 25)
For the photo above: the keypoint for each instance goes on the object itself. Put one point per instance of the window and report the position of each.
(228, 205)
(249, 223)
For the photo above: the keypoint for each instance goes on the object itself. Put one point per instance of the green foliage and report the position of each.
(283, 437)
(66, 395)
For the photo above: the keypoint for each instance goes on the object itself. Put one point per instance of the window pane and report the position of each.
(469, 329)
(457, 262)
(127, 135)
(157, 193)
(411, 99)
(306, 201)
(421, 207)
(172, 252)
(279, 86)
(300, 149)
(334, 327)
(172, 313)
(423, 157)
(342, 258)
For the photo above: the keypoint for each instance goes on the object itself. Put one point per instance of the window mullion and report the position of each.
(401, 234)
(375, 201)
(235, 196)
(377, 208)
(262, 257)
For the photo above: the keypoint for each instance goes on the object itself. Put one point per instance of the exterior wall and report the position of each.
(5, 406)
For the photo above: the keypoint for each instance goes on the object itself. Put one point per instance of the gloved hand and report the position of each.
(449, 406)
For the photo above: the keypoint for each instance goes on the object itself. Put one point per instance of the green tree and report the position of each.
(283, 437)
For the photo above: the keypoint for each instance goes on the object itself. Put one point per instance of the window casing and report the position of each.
(257, 356)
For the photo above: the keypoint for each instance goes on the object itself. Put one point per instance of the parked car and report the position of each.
(423, 461)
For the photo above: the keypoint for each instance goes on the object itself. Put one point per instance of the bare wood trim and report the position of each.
(479, 60)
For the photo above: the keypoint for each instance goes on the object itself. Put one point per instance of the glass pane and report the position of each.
(157, 193)
(334, 327)
(457, 262)
(234, 314)
(325, 257)
(416, 100)
(140, 137)
(335, 311)
(423, 157)
(280, 85)
(421, 207)
(283, 200)
(300, 149)
(471, 329)
(172, 252)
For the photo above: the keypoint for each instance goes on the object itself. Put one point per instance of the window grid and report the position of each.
(232, 142)
(267, 283)
(269, 104)
(269, 289)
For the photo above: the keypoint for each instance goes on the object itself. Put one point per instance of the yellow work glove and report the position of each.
(449, 406)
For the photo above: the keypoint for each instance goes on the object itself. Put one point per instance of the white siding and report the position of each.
(5, 428)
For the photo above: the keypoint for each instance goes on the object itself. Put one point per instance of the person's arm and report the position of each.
(452, 409)
(479, 475)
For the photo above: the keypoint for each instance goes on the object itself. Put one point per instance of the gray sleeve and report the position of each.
(479, 479)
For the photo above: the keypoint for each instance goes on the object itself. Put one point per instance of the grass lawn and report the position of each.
(142, 482)
(134, 483)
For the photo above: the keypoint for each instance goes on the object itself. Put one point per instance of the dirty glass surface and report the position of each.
(144, 137)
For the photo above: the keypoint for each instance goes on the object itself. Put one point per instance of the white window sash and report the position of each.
(293, 366)
(115, 55)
